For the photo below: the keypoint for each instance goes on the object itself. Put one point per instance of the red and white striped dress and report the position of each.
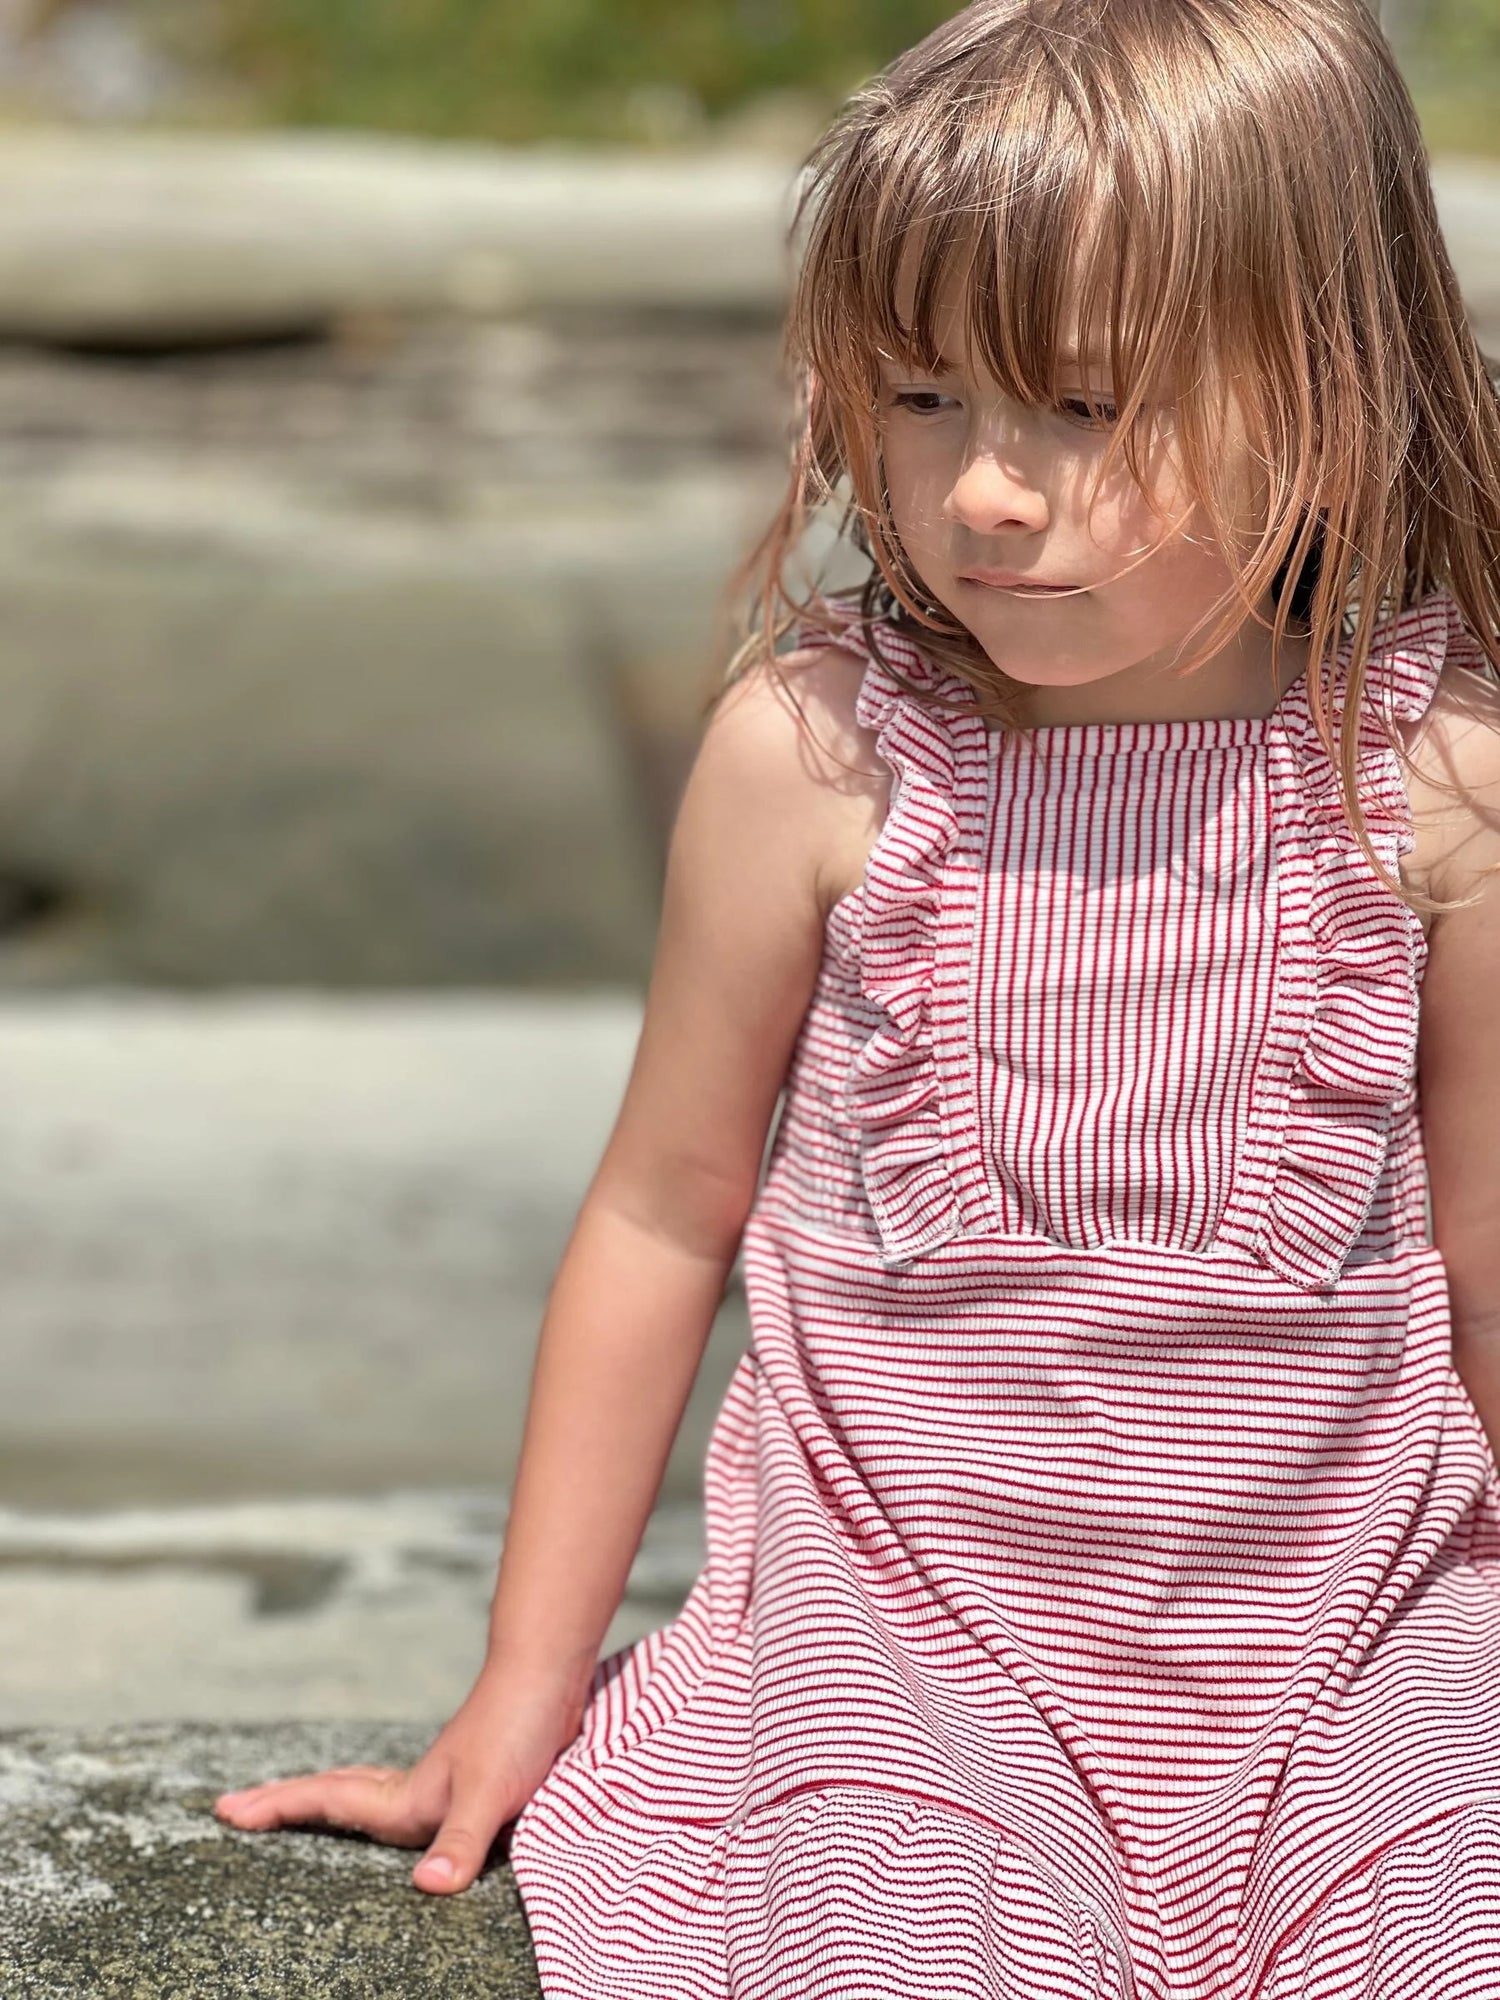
(1102, 1593)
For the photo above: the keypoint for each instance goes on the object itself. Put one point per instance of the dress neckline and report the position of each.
(1209, 732)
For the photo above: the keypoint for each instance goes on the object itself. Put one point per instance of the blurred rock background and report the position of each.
(385, 394)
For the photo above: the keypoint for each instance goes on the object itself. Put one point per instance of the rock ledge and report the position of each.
(119, 1884)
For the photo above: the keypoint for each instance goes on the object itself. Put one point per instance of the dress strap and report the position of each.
(1408, 655)
(881, 646)
(1410, 651)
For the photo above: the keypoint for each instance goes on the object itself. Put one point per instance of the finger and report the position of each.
(365, 1805)
(282, 1800)
(248, 1792)
(375, 1804)
(462, 1843)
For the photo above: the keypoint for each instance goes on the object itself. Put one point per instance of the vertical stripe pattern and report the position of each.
(1113, 1102)
(1102, 1592)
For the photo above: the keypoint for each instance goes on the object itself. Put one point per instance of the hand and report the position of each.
(480, 1771)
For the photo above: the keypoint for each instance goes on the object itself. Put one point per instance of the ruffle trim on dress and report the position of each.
(1355, 1056)
(1418, 1902)
(809, 1891)
(892, 1093)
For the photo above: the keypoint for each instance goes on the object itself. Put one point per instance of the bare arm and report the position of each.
(764, 841)
(635, 1295)
(1457, 802)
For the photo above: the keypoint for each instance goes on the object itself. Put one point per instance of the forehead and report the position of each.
(953, 303)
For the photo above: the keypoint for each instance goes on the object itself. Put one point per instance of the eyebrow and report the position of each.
(1068, 359)
(942, 365)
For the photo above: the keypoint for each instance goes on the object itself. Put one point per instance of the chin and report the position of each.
(1044, 673)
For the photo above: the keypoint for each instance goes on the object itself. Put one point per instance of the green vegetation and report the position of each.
(1461, 117)
(1452, 55)
(660, 69)
(525, 69)
(1459, 36)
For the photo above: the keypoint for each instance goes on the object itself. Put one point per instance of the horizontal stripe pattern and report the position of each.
(1102, 1592)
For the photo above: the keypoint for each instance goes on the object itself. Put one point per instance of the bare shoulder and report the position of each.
(1453, 783)
(1455, 794)
(808, 697)
(792, 732)
(766, 823)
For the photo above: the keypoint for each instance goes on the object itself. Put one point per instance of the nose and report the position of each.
(991, 493)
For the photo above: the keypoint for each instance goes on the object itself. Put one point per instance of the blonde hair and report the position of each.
(1205, 191)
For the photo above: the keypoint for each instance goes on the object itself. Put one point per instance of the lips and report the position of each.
(997, 579)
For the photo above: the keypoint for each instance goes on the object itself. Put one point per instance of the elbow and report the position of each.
(1473, 1271)
(694, 1209)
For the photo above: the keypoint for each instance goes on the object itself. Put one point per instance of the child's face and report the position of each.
(990, 499)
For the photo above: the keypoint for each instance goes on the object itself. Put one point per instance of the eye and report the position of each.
(921, 402)
(1096, 415)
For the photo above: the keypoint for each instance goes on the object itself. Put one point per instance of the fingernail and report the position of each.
(438, 1868)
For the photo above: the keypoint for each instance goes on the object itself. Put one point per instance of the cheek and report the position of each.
(1149, 512)
(1120, 525)
(918, 479)
(1169, 525)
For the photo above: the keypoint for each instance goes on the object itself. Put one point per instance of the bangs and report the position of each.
(1049, 205)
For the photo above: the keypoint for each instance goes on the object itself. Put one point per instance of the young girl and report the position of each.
(1102, 1595)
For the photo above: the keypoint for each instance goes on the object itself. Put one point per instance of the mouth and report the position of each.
(1017, 586)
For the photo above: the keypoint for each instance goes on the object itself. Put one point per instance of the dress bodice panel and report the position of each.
(1125, 912)
(1122, 983)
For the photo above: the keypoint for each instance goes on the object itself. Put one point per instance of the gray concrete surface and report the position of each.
(362, 666)
(362, 1606)
(1468, 195)
(293, 1245)
(385, 762)
(273, 1273)
(172, 236)
(116, 1883)
(367, 773)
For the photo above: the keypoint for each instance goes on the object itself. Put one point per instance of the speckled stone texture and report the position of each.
(117, 1883)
